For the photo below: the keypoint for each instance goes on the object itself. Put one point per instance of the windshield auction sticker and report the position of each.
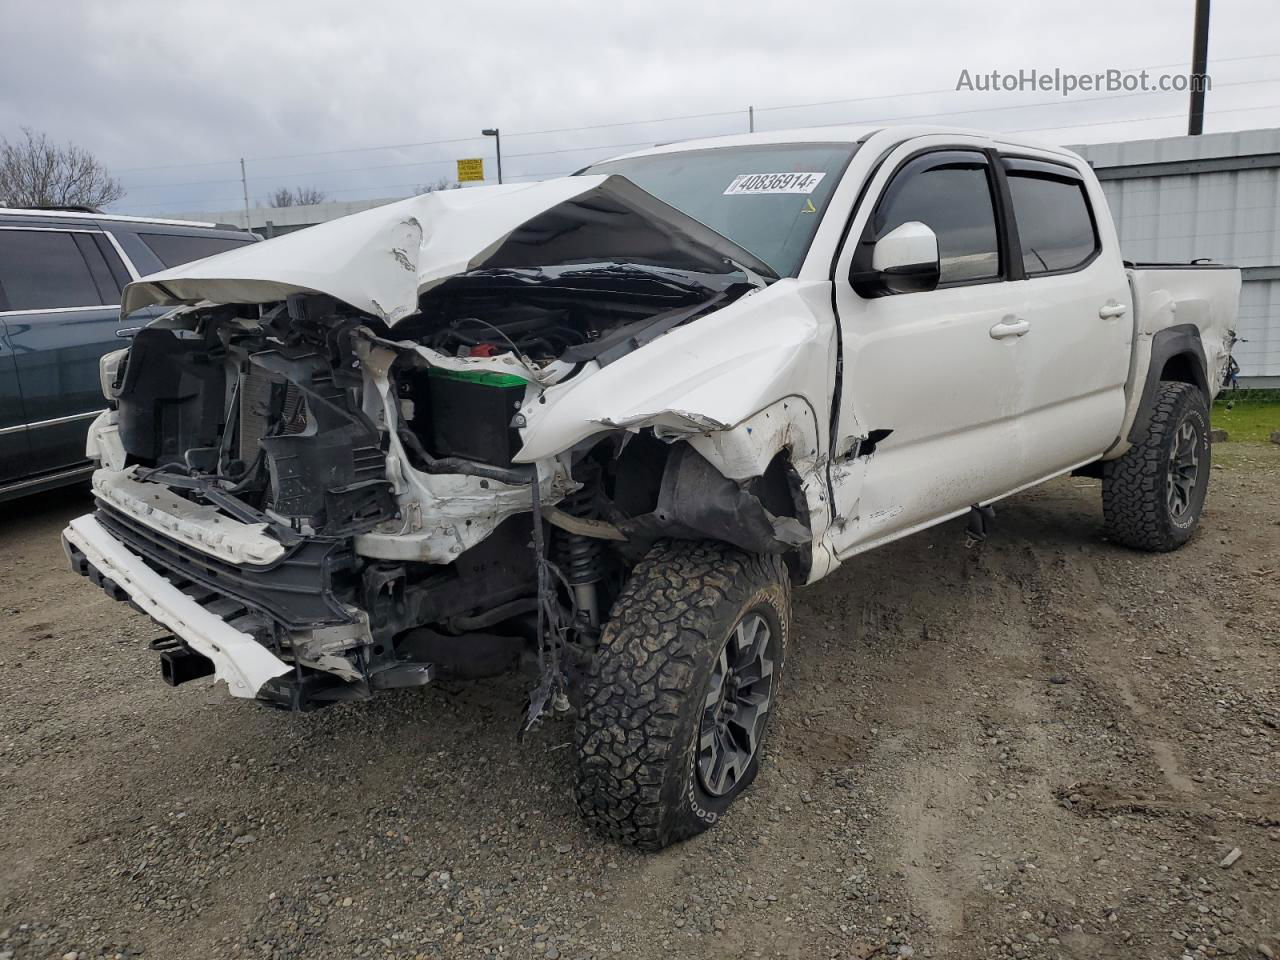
(747, 183)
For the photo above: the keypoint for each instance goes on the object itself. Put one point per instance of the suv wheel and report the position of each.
(1152, 496)
(678, 697)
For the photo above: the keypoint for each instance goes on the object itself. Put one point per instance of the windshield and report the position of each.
(767, 198)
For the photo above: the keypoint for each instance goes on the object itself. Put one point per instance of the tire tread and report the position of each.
(668, 619)
(1134, 506)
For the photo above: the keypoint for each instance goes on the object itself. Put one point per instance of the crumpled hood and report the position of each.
(380, 260)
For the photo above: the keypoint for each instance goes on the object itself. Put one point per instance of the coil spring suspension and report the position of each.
(581, 559)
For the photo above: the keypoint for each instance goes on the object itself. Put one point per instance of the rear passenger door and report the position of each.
(1073, 361)
(59, 300)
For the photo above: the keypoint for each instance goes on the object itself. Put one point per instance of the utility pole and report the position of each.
(1199, 62)
(244, 185)
(751, 119)
(497, 143)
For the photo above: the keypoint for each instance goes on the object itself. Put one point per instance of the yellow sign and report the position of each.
(470, 169)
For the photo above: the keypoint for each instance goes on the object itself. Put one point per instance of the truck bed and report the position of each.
(1198, 300)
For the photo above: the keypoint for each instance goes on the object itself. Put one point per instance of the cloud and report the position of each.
(170, 95)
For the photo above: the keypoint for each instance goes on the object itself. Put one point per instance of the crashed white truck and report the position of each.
(599, 426)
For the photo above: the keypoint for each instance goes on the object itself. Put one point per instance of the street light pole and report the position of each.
(497, 143)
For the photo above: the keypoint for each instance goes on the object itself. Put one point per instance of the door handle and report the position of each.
(1111, 310)
(1009, 327)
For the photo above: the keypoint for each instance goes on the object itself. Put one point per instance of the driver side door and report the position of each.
(929, 402)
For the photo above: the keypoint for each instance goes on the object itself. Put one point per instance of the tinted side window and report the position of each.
(174, 249)
(108, 292)
(1055, 228)
(118, 272)
(43, 269)
(954, 200)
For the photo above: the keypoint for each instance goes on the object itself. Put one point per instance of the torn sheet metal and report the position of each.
(698, 378)
(440, 515)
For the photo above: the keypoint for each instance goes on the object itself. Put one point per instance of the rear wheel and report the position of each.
(678, 698)
(1152, 496)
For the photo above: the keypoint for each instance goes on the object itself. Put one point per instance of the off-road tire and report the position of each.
(1135, 499)
(645, 692)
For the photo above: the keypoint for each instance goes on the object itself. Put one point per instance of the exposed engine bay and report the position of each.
(352, 495)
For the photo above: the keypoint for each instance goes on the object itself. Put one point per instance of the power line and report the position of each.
(615, 146)
(1069, 126)
(384, 166)
(642, 143)
(1163, 116)
(623, 123)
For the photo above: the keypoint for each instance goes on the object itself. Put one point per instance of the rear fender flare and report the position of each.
(1179, 341)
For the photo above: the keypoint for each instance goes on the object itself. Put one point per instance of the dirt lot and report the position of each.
(1043, 747)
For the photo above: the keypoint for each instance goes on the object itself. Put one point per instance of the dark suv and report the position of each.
(61, 273)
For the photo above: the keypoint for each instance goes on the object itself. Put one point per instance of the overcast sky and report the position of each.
(170, 94)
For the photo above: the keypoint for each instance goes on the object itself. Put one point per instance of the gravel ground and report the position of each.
(1042, 747)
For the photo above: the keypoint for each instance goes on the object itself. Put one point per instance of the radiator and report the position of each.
(256, 390)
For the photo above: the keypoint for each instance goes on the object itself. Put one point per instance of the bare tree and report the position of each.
(35, 172)
(297, 197)
(442, 184)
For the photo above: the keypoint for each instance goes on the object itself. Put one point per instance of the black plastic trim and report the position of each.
(1008, 224)
(296, 591)
(1193, 265)
(1183, 339)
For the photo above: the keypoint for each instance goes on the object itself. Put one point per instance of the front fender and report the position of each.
(706, 376)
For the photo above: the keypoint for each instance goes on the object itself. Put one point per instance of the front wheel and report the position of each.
(1152, 496)
(679, 694)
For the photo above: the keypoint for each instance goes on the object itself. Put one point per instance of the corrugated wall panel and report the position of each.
(1258, 324)
(1230, 216)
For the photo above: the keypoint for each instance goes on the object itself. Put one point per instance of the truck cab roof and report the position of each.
(845, 133)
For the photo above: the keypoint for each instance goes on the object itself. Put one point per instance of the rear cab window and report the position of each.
(175, 249)
(1056, 229)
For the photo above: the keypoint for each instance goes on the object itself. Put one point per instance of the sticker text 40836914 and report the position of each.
(748, 183)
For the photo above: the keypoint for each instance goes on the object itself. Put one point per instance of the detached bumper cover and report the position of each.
(237, 657)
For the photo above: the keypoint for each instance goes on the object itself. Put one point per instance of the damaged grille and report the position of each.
(299, 591)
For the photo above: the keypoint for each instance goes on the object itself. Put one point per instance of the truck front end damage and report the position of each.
(359, 459)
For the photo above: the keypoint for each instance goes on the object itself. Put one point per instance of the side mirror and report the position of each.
(905, 260)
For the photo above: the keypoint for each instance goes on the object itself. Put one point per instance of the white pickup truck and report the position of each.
(600, 425)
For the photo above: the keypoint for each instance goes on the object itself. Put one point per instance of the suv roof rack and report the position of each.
(67, 207)
(68, 213)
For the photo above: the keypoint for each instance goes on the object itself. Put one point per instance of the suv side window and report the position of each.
(175, 249)
(1055, 224)
(950, 192)
(43, 270)
(114, 264)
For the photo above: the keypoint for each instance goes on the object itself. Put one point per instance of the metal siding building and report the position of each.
(1214, 196)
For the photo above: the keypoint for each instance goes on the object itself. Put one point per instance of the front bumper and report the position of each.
(237, 657)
